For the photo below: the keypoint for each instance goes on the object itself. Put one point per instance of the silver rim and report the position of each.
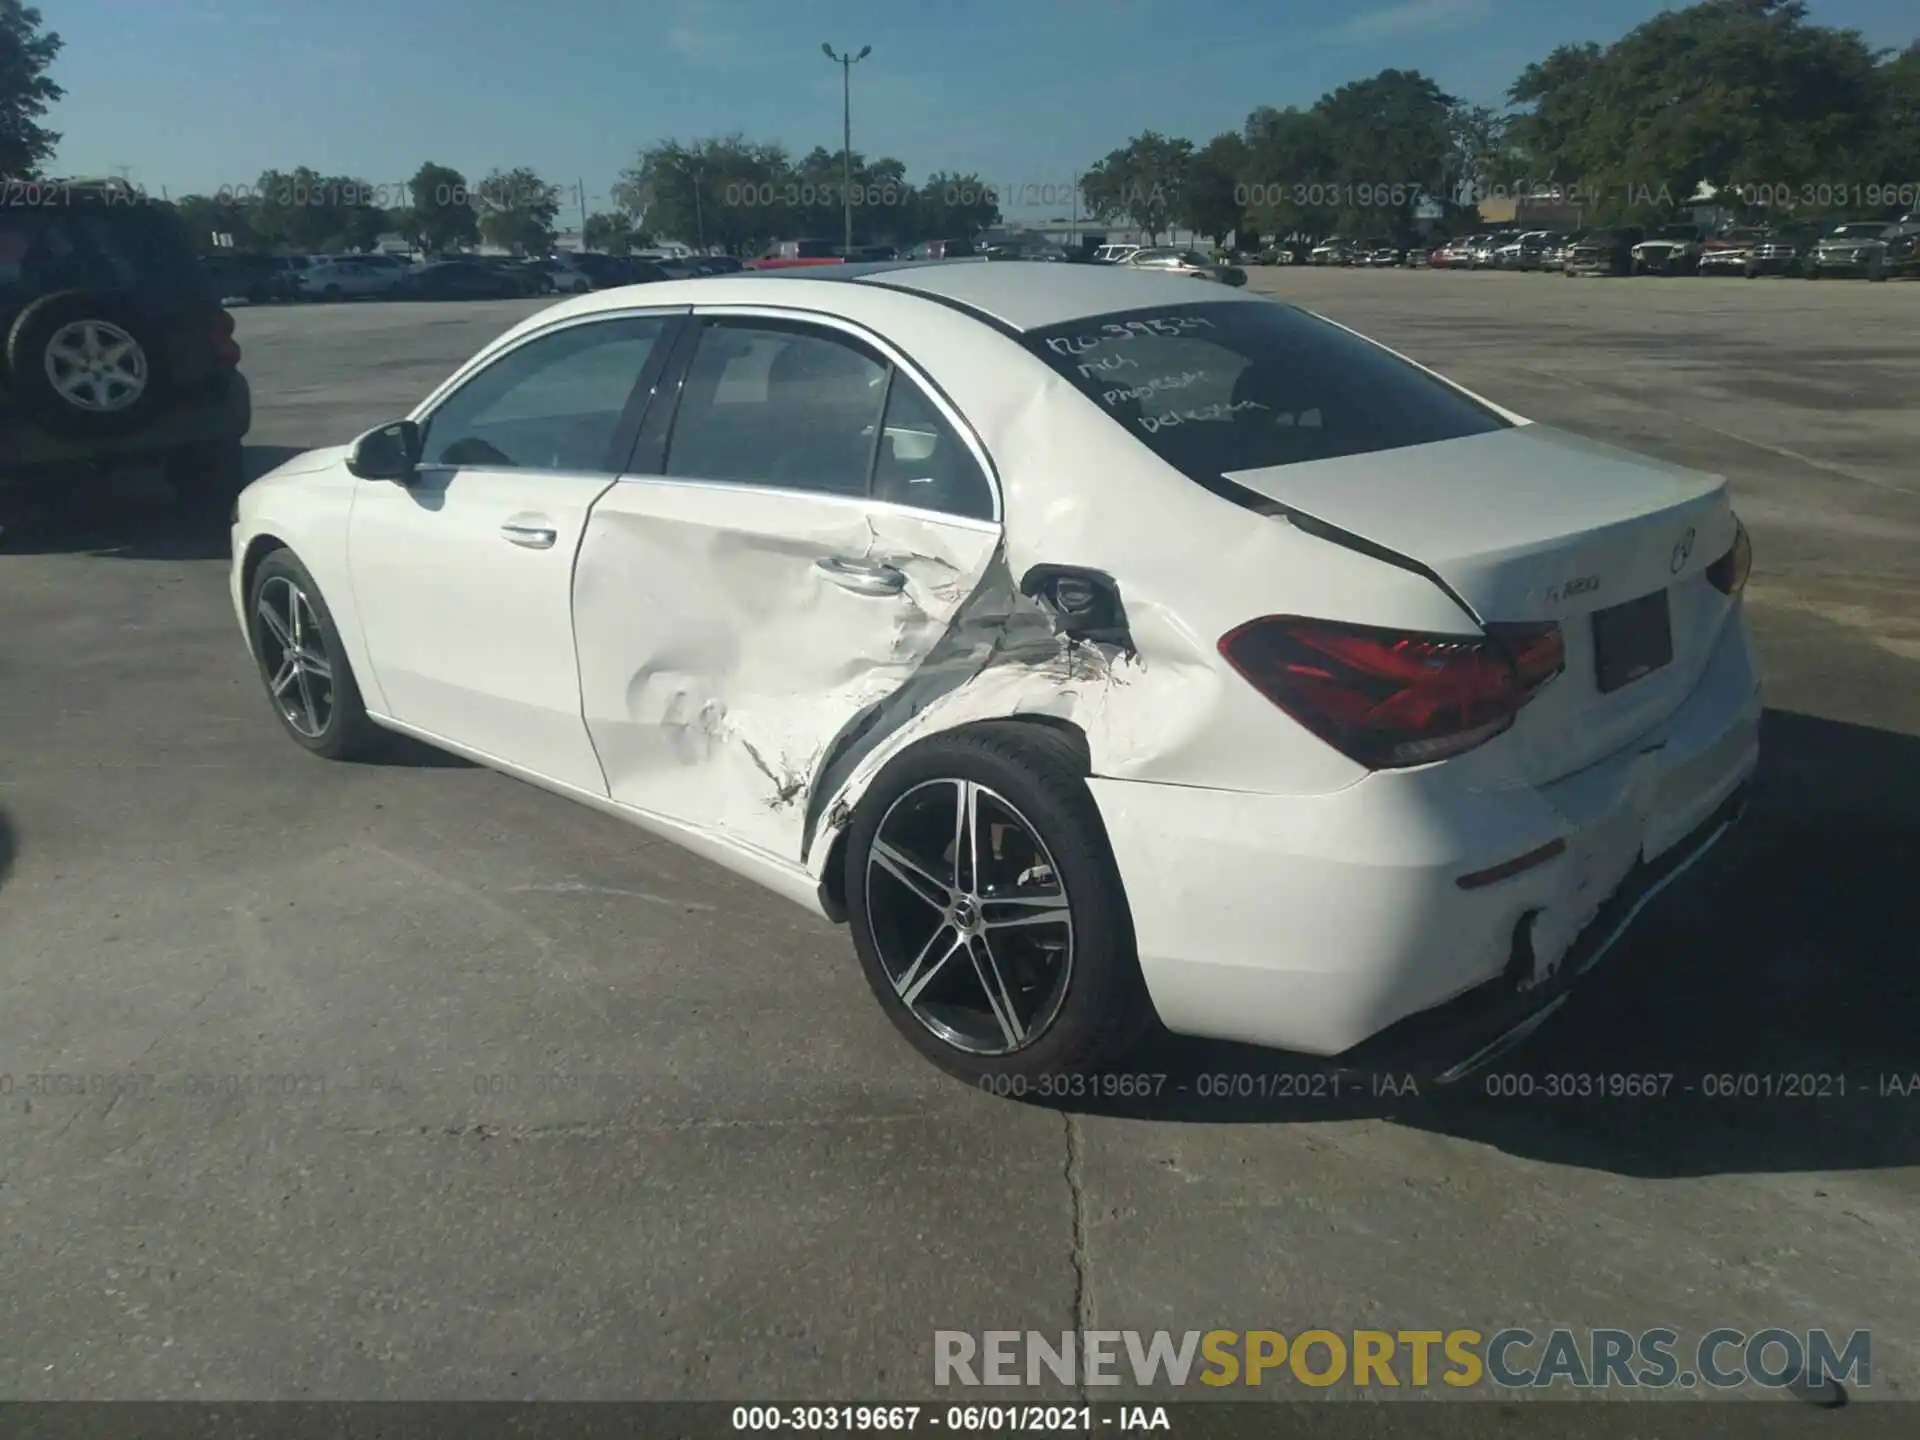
(293, 657)
(969, 916)
(96, 366)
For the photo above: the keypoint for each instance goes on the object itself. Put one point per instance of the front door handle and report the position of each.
(533, 537)
(862, 577)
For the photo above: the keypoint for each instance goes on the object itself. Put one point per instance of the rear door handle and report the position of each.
(862, 577)
(533, 537)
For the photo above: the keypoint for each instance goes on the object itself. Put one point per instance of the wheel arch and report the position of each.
(1072, 742)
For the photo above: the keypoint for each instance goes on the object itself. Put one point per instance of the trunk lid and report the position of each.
(1534, 524)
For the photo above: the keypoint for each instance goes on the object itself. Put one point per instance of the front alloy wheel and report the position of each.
(293, 655)
(305, 671)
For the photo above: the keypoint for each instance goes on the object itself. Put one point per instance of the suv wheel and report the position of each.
(83, 364)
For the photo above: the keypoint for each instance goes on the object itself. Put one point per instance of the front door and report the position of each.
(814, 525)
(464, 580)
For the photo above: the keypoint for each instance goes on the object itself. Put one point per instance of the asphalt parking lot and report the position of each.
(574, 1115)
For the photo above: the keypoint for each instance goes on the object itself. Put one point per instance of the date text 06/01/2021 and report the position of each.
(959, 1419)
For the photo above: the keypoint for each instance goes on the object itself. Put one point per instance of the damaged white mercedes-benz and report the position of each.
(1097, 648)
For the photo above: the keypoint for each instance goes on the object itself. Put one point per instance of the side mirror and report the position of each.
(390, 452)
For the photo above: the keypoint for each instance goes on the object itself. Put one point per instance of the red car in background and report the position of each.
(784, 254)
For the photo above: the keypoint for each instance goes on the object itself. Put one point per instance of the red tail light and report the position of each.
(226, 351)
(1387, 698)
(1729, 573)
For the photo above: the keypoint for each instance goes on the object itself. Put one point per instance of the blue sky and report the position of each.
(195, 94)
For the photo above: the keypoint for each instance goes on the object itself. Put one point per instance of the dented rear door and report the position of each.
(792, 558)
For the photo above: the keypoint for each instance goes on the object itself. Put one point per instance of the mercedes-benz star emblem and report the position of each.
(1682, 553)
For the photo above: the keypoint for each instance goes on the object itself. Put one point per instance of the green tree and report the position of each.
(1743, 94)
(1561, 91)
(1213, 199)
(952, 207)
(1895, 154)
(208, 215)
(26, 50)
(608, 233)
(1142, 183)
(1388, 139)
(1288, 172)
(726, 190)
(517, 210)
(441, 215)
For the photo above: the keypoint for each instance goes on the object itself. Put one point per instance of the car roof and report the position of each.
(1014, 294)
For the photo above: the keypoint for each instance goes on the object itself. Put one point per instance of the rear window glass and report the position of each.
(1214, 388)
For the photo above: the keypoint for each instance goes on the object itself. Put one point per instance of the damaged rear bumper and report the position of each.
(1317, 923)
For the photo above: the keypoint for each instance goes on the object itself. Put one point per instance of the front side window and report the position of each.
(1214, 388)
(552, 403)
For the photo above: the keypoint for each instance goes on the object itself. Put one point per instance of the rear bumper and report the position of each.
(222, 410)
(1315, 924)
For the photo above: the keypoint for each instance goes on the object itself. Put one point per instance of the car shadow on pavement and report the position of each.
(1771, 1011)
(9, 846)
(122, 517)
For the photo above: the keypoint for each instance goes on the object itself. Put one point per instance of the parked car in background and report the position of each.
(1604, 252)
(1670, 250)
(1168, 260)
(1782, 249)
(720, 264)
(1455, 254)
(1506, 253)
(1554, 255)
(1038, 251)
(1378, 252)
(256, 279)
(1116, 254)
(1335, 250)
(1729, 252)
(349, 277)
(1486, 250)
(1535, 248)
(1857, 249)
(1902, 256)
(464, 279)
(118, 354)
(785, 253)
(943, 250)
(562, 274)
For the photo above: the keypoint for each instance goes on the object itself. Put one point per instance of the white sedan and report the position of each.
(1096, 650)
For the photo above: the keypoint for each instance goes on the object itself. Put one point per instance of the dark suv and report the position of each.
(114, 351)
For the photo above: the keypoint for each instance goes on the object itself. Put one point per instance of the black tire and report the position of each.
(1810, 272)
(1876, 272)
(1105, 1009)
(27, 363)
(207, 479)
(330, 294)
(347, 734)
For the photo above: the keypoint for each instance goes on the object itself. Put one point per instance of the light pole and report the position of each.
(846, 64)
(695, 173)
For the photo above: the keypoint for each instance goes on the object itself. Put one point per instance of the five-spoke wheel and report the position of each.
(987, 909)
(302, 664)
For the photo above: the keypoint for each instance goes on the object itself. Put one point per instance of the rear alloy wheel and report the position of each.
(302, 664)
(987, 910)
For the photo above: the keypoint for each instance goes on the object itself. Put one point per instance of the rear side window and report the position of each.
(1215, 388)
